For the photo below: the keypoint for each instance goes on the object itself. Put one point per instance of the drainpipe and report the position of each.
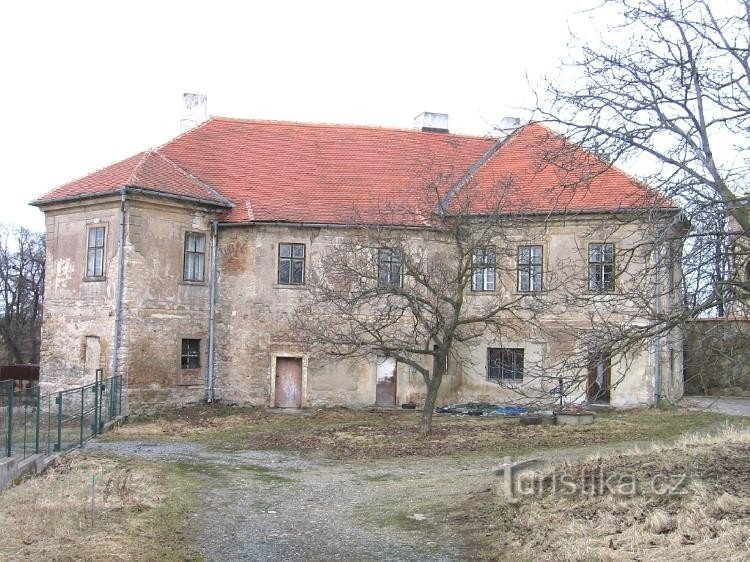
(212, 314)
(657, 310)
(119, 286)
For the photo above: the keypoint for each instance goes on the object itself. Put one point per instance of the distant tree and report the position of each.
(22, 255)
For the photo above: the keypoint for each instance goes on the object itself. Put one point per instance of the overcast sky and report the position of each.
(85, 84)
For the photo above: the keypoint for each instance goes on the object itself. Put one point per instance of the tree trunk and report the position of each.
(425, 424)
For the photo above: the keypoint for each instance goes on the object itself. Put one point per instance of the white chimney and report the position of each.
(509, 124)
(196, 111)
(431, 122)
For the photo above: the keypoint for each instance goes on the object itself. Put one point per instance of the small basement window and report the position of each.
(191, 354)
(504, 363)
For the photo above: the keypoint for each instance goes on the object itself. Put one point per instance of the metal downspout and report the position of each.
(117, 336)
(212, 314)
(657, 310)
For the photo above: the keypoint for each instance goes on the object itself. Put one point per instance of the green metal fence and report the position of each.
(31, 422)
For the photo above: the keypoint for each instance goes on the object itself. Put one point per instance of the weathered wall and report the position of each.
(717, 357)
(75, 307)
(254, 312)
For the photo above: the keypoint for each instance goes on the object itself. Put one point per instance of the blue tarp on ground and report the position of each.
(482, 409)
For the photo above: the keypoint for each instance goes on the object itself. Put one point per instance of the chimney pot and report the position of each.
(196, 110)
(431, 122)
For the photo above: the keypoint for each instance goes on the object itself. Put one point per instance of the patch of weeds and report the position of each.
(264, 474)
(385, 477)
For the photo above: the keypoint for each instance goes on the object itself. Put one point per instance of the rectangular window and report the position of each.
(504, 363)
(529, 269)
(195, 256)
(601, 267)
(483, 263)
(191, 354)
(95, 253)
(389, 268)
(291, 264)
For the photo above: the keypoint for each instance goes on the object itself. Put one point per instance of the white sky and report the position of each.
(85, 84)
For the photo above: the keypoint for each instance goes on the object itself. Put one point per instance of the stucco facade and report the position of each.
(165, 267)
(254, 314)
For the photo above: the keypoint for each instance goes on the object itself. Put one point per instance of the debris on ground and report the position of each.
(482, 409)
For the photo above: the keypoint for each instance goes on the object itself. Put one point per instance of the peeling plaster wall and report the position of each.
(253, 314)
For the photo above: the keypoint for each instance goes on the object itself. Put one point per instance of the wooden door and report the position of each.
(600, 368)
(385, 384)
(288, 382)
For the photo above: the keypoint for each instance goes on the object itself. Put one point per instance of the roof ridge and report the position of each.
(188, 174)
(133, 177)
(463, 180)
(486, 137)
(183, 133)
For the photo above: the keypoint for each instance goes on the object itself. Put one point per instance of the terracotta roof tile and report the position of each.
(293, 172)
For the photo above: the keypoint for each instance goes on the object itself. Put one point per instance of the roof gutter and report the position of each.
(131, 189)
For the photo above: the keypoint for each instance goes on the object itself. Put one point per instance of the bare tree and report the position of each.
(22, 254)
(665, 90)
(408, 283)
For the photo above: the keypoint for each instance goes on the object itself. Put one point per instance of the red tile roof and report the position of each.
(294, 172)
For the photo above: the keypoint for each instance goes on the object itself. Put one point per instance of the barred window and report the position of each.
(601, 267)
(195, 256)
(95, 253)
(191, 354)
(291, 264)
(504, 363)
(389, 268)
(530, 269)
(483, 263)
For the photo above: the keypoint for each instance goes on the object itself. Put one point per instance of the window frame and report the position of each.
(530, 268)
(186, 253)
(387, 266)
(600, 265)
(487, 269)
(96, 248)
(514, 353)
(291, 259)
(190, 354)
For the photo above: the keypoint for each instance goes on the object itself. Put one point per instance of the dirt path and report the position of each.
(261, 505)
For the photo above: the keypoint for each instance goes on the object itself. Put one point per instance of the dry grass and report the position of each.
(138, 513)
(707, 519)
(341, 433)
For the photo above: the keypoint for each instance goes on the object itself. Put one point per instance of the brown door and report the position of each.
(600, 367)
(288, 382)
(385, 384)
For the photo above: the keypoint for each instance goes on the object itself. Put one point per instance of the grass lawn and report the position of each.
(341, 433)
(139, 512)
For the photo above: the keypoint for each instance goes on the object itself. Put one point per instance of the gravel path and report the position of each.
(261, 505)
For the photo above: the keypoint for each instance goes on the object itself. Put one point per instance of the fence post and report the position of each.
(59, 402)
(11, 387)
(83, 400)
(38, 402)
(95, 426)
(99, 399)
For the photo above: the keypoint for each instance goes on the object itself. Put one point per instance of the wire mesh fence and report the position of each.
(31, 422)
